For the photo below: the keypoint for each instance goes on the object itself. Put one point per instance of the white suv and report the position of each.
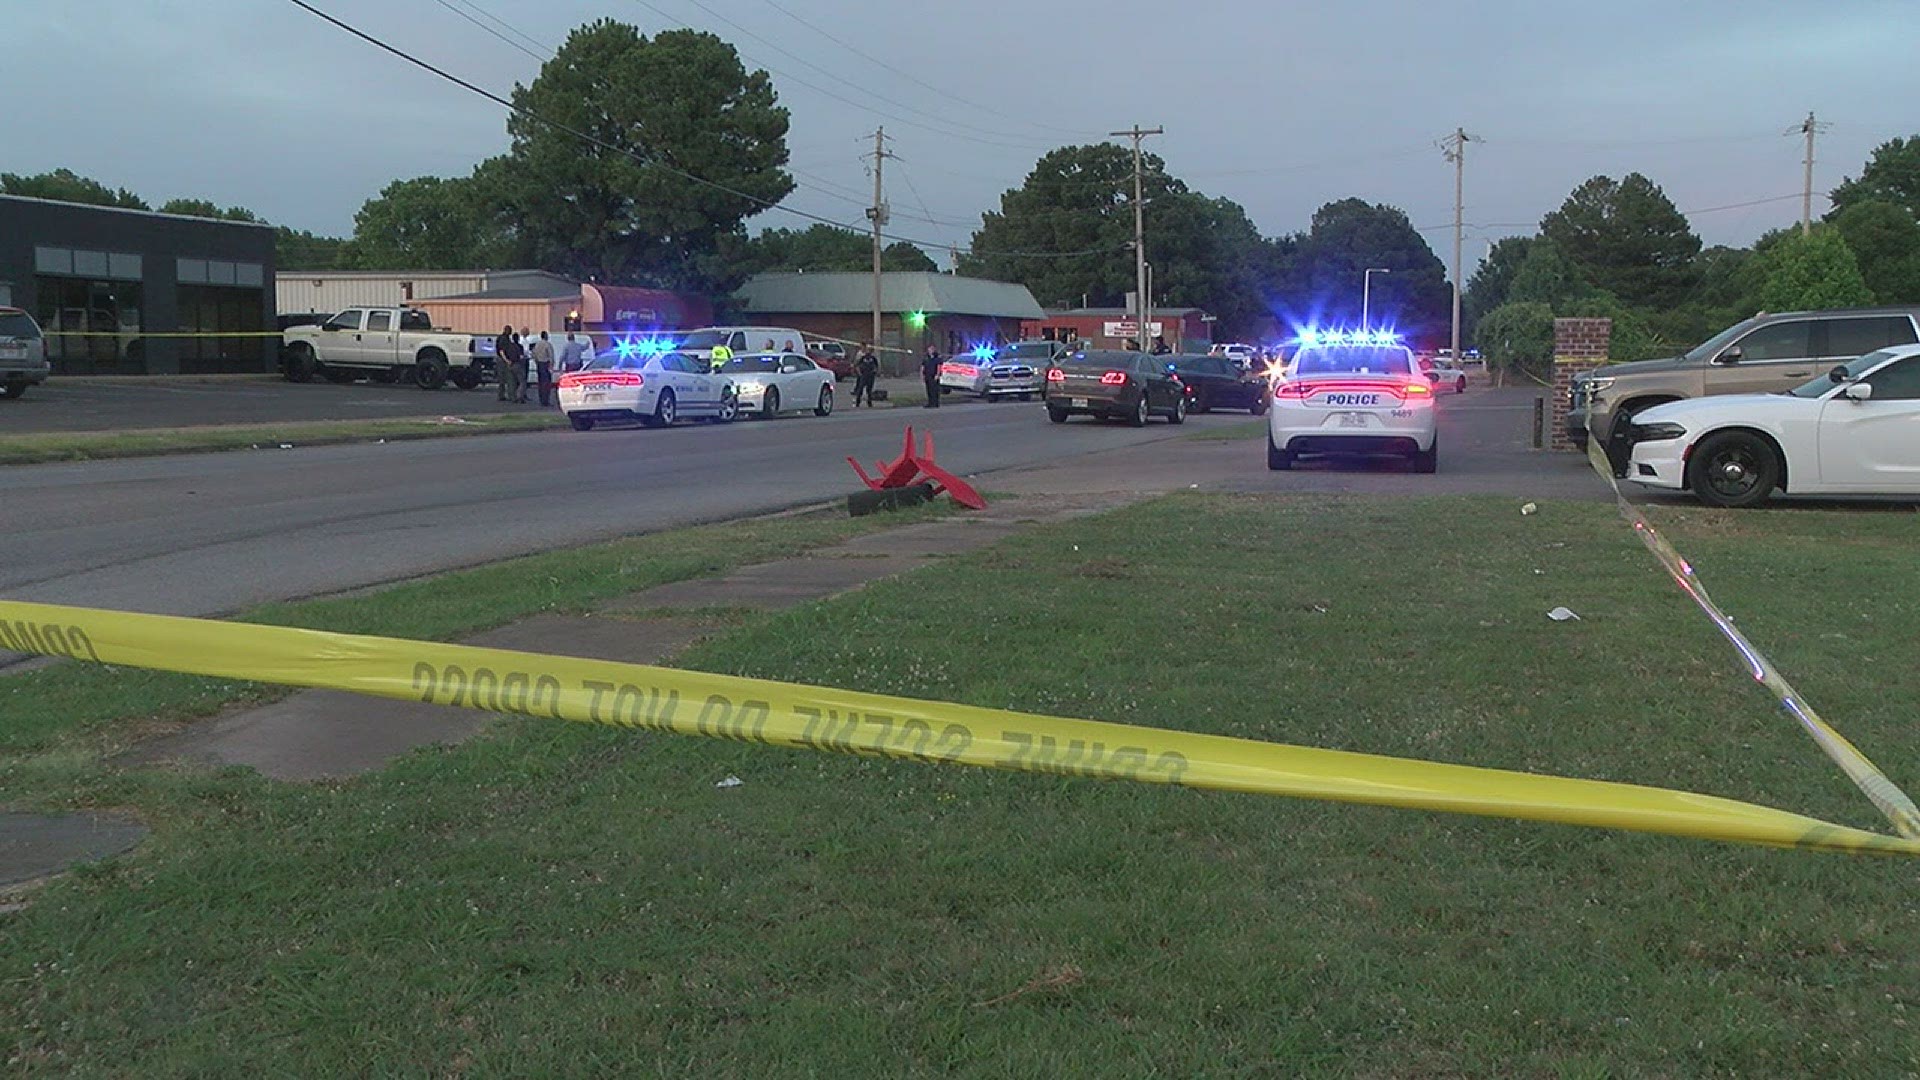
(1353, 393)
(23, 353)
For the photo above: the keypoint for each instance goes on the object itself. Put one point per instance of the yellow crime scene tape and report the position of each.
(1882, 792)
(849, 722)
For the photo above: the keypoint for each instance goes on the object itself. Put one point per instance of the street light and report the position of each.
(1366, 294)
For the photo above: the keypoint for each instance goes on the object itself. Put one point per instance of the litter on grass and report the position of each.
(1561, 614)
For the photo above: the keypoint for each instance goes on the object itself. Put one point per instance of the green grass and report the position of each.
(93, 445)
(559, 900)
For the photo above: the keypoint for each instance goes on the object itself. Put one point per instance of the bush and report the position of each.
(1518, 337)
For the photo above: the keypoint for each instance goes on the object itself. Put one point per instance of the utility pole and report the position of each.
(1136, 133)
(1366, 295)
(1808, 127)
(1455, 146)
(877, 213)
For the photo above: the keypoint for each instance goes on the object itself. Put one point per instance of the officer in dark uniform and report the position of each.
(930, 374)
(865, 371)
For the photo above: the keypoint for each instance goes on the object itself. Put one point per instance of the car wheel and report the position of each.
(825, 408)
(581, 423)
(430, 371)
(1735, 469)
(770, 405)
(1179, 413)
(301, 366)
(467, 377)
(667, 410)
(1258, 408)
(1461, 386)
(1277, 459)
(12, 390)
(1140, 412)
(1057, 415)
(1428, 460)
(729, 408)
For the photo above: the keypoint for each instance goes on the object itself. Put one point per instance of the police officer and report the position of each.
(930, 375)
(721, 354)
(865, 370)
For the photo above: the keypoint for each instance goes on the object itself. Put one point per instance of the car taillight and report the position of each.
(1056, 375)
(1417, 389)
(1293, 391)
(1114, 378)
(603, 378)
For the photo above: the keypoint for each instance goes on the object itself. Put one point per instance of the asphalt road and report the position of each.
(214, 533)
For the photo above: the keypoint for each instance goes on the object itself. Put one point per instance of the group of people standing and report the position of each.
(519, 354)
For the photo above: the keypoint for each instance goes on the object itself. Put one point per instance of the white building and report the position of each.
(302, 291)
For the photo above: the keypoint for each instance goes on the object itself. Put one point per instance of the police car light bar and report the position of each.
(1312, 336)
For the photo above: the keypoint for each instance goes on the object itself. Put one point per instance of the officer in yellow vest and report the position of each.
(721, 354)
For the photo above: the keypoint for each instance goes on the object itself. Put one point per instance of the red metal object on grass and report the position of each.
(913, 467)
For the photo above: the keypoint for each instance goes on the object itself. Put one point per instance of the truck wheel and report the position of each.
(300, 365)
(12, 389)
(466, 378)
(430, 370)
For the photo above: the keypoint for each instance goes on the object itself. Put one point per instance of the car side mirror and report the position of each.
(1839, 373)
(1732, 355)
(1858, 392)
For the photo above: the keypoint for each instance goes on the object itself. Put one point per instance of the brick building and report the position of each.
(917, 309)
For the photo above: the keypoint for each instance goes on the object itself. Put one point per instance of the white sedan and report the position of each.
(655, 388)
(772, 383)
(1852, 431)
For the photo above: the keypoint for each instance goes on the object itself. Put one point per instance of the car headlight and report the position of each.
(1596, 384)
(1658, 432)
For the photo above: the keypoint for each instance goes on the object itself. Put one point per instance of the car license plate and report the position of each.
(596, 397)
(1353, 419)
(1078, 403)
(13, 352)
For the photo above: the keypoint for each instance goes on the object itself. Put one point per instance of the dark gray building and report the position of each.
(128, 292)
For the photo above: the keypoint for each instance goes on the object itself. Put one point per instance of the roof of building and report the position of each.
(834, 292)
(516, 291)
(131, 210)
(1123, 313)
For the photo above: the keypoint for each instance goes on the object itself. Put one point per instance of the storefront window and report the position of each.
(214, 310)
(92, 327)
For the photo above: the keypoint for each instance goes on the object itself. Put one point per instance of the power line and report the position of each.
(625, 152)
(870, 58)
(503, 24)
(837, 96)
(449, 6)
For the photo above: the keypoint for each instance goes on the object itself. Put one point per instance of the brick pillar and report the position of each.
(1579, 345)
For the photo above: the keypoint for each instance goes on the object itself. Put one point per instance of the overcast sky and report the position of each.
(1280, 106)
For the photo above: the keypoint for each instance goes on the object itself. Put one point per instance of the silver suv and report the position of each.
(23, 353)
(1761, 355)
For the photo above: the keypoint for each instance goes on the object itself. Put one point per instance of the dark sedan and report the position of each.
(1216, 382)
(1130, 386)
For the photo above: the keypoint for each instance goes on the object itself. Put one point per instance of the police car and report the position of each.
(1352, 392)
(649, 382)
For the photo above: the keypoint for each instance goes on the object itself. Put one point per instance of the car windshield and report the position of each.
(748, 365)
(703, 339)
(1711, 347)
(1354, 360)
(16, 324)
(1028, 350)
(1823, 382)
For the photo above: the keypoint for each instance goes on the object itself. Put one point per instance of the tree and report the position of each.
(298, 249)
(1629, 238)
(1813, 271)
(1547, 276)
(1885, 239)
(823, 247)
(1518, 337)
(1487, 288)
(65, 185)
(428, 223)
(1892, 174)
(707, 141)
(205, 208)
(1351, 235)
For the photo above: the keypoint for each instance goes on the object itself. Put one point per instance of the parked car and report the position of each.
(739, 340)
(384, 343)
(1444, 374)
(1853, 430)
(1240, 353)
(1214, 382)
(1353, 395)
(1112, 384)
(833, 356)
(23, 353)
(771, 383)
(1016, 369)
(1759, 355)
(655, 388)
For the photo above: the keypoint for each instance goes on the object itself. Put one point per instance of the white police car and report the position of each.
(1352, 392)
(647, 382)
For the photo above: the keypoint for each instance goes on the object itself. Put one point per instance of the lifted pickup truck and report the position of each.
(385, 345)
